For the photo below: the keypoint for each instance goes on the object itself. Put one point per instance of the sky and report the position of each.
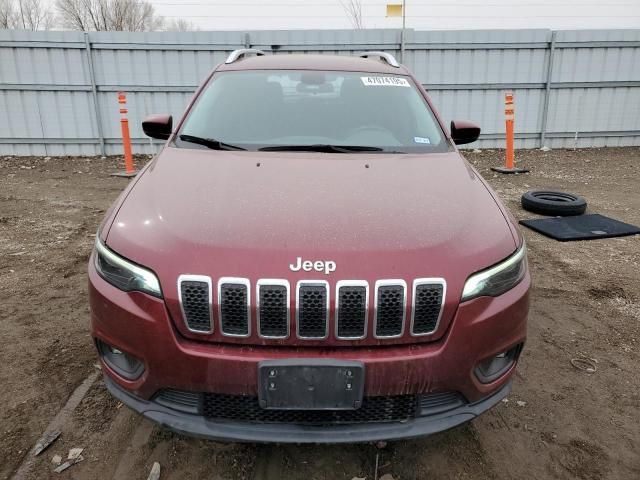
(421, 14)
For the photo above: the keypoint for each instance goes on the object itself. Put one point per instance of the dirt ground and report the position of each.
(560, 422)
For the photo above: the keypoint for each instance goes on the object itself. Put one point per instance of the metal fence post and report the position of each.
(402, 39)
(94, 92)
(547, 94)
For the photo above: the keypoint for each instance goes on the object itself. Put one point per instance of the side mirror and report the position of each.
(464, 132)
(158, 126)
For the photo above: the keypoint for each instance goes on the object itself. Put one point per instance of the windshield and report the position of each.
(341, 112)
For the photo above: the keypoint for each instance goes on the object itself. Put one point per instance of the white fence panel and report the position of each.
(58, 90)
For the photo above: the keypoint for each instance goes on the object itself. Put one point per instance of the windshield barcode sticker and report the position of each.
(385, 81)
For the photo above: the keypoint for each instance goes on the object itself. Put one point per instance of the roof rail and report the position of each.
(238, 54)
(384, 56)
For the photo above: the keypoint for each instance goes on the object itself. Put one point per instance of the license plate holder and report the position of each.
(310, 384)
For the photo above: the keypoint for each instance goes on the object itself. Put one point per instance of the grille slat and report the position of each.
(233, 300)
(438, 402)
(312, 310)
(179, 400)
(195, 299)
(390, 309)
(273, 310)
(351, 311)
(427, 306)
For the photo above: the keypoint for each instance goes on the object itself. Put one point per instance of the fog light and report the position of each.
(122, 363)
(491, 368)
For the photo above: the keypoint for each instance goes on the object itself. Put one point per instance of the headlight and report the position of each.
(497, 279)
(123, 274)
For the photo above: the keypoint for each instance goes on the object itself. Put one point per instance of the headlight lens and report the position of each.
(497, 279)
(123, 274)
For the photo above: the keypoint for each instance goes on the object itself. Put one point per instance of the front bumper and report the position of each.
(198, 426)
(140, 325)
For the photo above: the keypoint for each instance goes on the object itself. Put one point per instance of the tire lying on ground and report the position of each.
(546, 202)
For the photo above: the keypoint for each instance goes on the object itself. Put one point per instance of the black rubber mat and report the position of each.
(580, 227)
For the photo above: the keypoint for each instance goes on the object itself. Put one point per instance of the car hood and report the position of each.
(251, 214)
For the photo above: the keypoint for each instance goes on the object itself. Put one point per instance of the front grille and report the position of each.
(390, 310)
(312, 310)
(234, 307)
(273, 310)
(427, 307)
(351, 311)
(246, 409)
(347, 318)
(195, 300)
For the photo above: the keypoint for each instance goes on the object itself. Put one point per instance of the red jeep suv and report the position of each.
(309, 259)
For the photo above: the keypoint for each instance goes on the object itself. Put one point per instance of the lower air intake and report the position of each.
(179, 400)
(246, 409)
(379, 409)
(438, 402)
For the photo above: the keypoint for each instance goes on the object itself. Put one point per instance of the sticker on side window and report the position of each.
(385, 82)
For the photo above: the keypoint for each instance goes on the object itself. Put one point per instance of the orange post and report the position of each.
(130, 170)
(509, 118)
(509, 115)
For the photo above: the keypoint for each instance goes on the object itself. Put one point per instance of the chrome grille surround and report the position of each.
(427, 281)
(234, 281)
(200, 279)
(389, 283)
(313, 283)
(267, 282)
(351, 283)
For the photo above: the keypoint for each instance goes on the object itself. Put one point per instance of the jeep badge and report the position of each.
(326, 266)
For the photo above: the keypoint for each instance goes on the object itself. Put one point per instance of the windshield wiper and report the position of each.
(321, 147)
(209, 142)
